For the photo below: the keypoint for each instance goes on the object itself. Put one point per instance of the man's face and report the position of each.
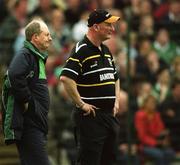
(105, 30)
(44, 38)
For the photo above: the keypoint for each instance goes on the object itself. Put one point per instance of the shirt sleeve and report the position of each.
(72, 68)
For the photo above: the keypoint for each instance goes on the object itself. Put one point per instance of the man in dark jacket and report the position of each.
(26, 98)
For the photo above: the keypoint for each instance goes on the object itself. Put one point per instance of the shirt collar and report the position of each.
(31, 47)
(90, 44)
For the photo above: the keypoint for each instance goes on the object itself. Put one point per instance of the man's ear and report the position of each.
(96, 27)
(35, 36)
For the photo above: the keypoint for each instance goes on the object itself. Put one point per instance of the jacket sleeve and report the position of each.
(17, 73)
(142, 131)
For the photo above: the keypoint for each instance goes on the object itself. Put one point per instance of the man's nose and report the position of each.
(50, 38)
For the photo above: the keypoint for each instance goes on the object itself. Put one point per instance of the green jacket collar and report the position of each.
(31, 47)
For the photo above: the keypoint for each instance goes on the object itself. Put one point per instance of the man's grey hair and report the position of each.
(34, 27)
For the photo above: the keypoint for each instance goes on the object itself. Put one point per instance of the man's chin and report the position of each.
(107, 38)
(46, 47)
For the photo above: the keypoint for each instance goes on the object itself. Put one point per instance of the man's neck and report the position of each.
(94, 39)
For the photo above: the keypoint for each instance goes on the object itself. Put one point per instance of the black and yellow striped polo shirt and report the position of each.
(94, 72)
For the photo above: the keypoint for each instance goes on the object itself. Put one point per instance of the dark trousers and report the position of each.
(96, 138)
(31, 147)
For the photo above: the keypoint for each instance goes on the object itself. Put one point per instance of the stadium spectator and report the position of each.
(146, 27)
(161, 88)
(144, 90)
(175, 68)
(166, 48)
(74, 10)
(170, 111)
(154, 65)
(152, 134)
(123, 143)
(171, 20)
(10, 28)
(144, 48)
(43, 10)
(79, 29)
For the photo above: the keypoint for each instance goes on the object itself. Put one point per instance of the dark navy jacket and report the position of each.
(25, 82)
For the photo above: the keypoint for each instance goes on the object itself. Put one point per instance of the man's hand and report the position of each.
(88, 109)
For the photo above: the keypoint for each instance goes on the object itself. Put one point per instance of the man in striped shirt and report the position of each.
(91, 80)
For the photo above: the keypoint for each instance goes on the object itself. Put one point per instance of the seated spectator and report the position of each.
(138, 92)
(10, 28)
(161, 10)
(152, 134)
(61, 36)
(171, 20)
(107, 4)
(43, 10)
(146, 27)
(135, 91)
(144, 48)
(175, 68)
(74, 10)
(144, 91)
(121, 65)
(154, 65)
(136, 9)
(162, 86)
(80, 28)
(170, 110)
(123, 145)
(165, 47)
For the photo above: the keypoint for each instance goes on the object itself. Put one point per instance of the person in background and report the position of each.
(74, 10)
(146, 27)
(91, 81)
(26, 97)
(43, 10)
(10, 28)
(161, 88)
(171, 20)
(153, 136)
(170, 111)
(123, 145)
(165, 47)
(175, 68)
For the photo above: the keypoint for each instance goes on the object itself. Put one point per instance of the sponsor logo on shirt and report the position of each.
(106, 76)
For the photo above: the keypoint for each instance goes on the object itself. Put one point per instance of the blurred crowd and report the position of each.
(153, 30)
